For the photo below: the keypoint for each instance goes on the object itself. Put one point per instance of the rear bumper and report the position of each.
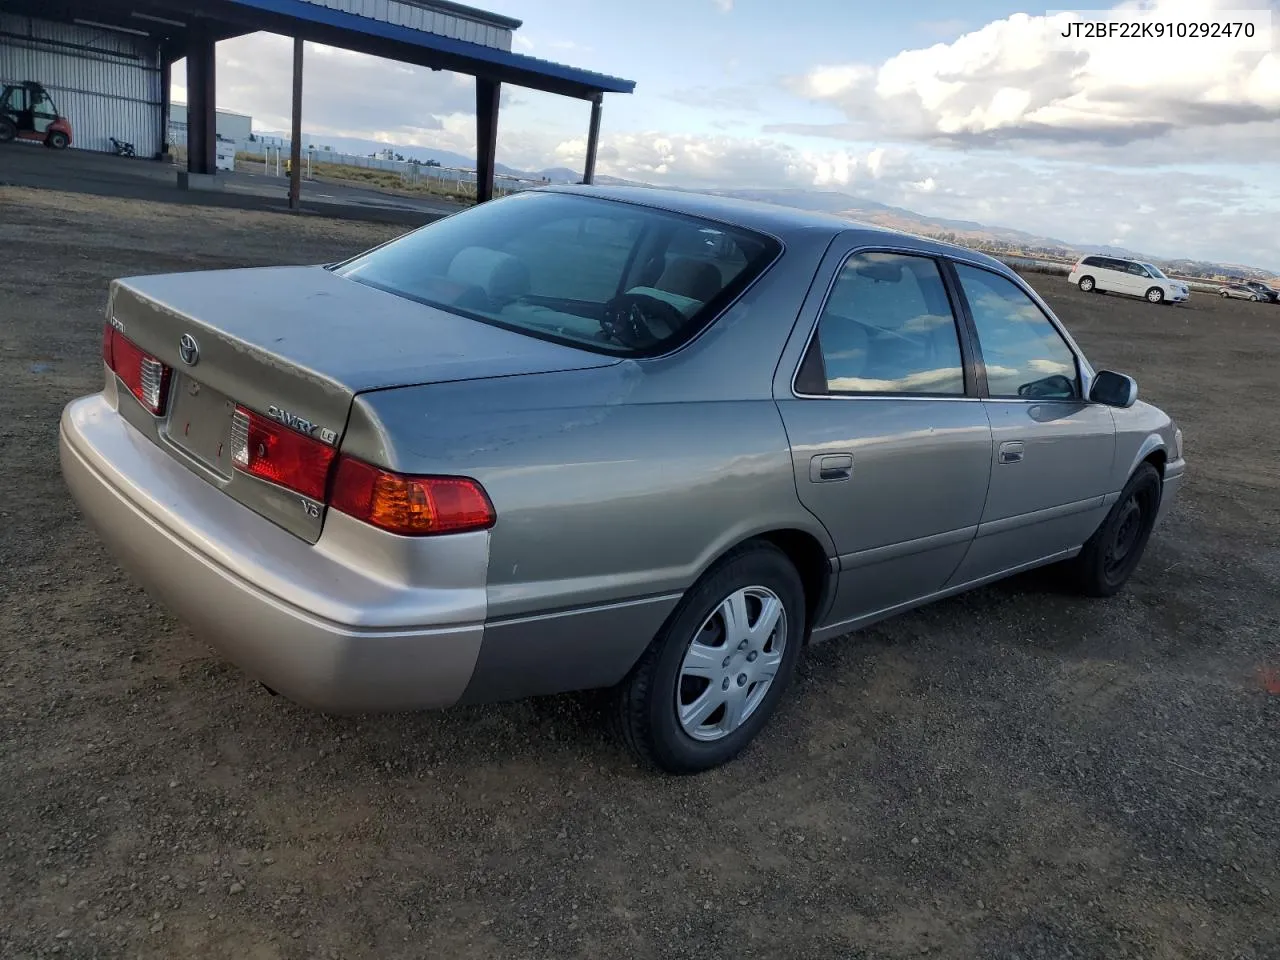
(333, 625)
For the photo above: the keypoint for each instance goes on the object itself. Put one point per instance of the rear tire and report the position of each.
(1224, 295)
(7, 130)
(1086, 284)
(709, 660)
(1111, 555)
(1155, 295)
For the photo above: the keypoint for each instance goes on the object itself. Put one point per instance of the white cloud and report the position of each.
(1017, 81)
(724, 6)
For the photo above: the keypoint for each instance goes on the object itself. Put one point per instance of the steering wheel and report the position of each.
(639, 320)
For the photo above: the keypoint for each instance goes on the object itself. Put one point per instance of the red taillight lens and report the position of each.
(145, 376)
(410, 506)
(271, 451)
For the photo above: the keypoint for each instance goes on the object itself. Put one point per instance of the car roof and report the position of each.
(771, 218)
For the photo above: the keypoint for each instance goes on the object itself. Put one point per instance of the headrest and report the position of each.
(691, 278)
(501, 276)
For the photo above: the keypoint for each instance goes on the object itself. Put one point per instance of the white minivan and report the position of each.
(1131, 277)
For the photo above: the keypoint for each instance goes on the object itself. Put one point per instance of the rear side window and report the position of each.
(608, 276)
(1024, 354)
(888, 327)
(1091, 262)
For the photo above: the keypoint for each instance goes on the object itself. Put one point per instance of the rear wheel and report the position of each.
(1114, 551)
(7, 130)
(1086, 284)
(1225, 295)
(57, 140)
(1155, 295)
(714, 674)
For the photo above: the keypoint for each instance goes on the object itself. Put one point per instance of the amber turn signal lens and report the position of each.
(411, 506)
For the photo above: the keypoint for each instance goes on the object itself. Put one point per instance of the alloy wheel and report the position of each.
(730, 664)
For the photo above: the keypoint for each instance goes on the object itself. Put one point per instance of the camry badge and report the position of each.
(189, 350)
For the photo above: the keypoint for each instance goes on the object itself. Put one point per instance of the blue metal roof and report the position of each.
(482, 56)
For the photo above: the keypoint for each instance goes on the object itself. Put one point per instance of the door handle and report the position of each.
(1011, 451)
(830, 467)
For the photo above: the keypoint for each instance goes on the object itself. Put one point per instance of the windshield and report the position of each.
(608, 276)
(1155, 271)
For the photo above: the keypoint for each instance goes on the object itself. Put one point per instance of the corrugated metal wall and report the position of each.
(423, 18)
(106, 83)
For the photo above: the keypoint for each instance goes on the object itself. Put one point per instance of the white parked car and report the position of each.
(1132, 277)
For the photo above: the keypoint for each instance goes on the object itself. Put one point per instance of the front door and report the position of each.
(1052, 450)
(890, 443)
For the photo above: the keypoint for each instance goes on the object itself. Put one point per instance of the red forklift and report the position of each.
(27, 113)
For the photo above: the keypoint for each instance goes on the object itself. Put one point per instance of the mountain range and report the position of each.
(995, 239)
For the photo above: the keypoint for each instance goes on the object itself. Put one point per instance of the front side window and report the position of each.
(887, 327)
(1024, 354)
(1138, 270)
(608, 276)
(1155, 271)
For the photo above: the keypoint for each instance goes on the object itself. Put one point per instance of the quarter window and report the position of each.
(887, 327)
(1024, 354)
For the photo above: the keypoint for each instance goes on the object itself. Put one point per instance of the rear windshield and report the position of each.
(605, 275)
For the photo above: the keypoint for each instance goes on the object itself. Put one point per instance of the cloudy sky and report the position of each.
(975, 111)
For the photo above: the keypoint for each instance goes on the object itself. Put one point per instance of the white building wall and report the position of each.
(229, 125)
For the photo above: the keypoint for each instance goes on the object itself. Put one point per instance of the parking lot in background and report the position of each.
(1014, 772)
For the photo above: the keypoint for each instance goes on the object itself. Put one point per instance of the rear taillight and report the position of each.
(411, 506)
(145, 376)
(271, 451)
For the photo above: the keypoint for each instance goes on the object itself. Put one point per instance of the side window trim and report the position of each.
(811, 363)
(1083, 370)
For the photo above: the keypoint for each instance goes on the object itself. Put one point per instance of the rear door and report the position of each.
(890, 443)
(1052, 450)
(1112, 276)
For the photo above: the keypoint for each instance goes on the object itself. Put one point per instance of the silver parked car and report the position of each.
(1241, 291)
(588, 437)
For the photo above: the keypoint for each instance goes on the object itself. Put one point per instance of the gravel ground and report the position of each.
(1013, 773)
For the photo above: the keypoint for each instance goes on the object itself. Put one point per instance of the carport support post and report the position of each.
(487, 93)
(295, 146)
(202, 117)
(593, 140)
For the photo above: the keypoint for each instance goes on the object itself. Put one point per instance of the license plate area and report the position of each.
(199, 423)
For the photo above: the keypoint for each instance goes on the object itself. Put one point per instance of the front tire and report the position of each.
(1155, 295)
(715, 672)
(57, 140)
(1111, 555)
(1086, 284)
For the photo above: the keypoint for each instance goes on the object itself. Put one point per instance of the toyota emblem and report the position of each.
(189, 350)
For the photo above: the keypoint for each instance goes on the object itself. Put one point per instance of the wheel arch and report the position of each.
(1152, 450)
(807, 552)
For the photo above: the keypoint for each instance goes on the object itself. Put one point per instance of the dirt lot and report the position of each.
(1015, 773)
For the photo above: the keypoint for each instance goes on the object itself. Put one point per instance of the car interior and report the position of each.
(887, 327)
(621, 282)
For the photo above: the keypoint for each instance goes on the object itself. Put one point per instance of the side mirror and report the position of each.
(1114, 389)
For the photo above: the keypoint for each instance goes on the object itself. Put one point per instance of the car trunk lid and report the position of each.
(295, 345)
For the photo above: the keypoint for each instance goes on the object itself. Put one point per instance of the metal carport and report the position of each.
(437, 34)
